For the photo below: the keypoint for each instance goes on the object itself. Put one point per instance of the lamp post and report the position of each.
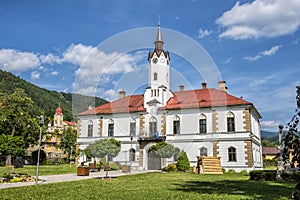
(39, 149)
(130, 153)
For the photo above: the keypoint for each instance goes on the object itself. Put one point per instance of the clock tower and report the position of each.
(158, 91)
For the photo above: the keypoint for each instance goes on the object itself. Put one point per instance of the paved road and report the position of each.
(70, 177)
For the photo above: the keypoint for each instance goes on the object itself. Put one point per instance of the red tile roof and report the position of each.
(203, 98)
(127, 104)
(70, 123)
(270, 150)
(181, 100)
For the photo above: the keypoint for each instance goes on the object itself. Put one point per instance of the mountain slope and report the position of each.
(46, 101)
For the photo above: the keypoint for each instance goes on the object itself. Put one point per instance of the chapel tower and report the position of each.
(158, 91)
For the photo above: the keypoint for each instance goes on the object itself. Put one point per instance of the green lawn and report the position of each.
(43, 169)
(157, 186)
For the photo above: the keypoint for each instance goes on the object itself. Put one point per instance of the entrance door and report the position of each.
(154, 162)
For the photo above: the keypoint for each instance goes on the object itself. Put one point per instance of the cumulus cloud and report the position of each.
(204, 33)
(35, 75)
(268, 52)
(54, 73)
(269, 124)
(260, 18)
(17, 61)
(50, 59)
(96, 65)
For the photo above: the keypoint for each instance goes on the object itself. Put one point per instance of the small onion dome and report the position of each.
(58, 110)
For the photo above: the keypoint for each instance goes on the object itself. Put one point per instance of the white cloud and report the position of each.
(269, 124)
(262, 80)
(50, 59)
(204, 33)
(260, 18)
(17, 61)
(35, 75)
(54, 73)
(268, 52)
(96, 65)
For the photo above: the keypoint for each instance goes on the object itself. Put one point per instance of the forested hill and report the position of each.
(46, 101)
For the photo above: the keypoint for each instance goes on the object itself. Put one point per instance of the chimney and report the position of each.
(181, 88)
(222, 86)
(121, 94)
(204, 85)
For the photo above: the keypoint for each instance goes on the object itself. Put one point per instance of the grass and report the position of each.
(43, 169)
(157, 186)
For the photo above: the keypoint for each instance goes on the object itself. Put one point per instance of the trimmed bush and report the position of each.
(263, 175)
(183, 162)
(170, 168)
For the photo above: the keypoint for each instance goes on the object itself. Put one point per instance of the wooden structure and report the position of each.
(208, 165)
(83, 171)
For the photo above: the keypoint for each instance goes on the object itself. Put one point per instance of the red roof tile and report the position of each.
(127, 104)
(202, 98)
(181, 100)
(270, 150)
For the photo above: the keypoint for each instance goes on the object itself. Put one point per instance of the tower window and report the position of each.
(155, 76)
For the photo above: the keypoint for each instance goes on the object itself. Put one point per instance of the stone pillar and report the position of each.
(247, 120)
(214, 121)
(248, 153)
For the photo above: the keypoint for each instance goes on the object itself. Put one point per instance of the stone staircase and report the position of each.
(211, 165)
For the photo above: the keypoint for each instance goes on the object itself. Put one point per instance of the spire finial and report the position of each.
(158, 21)
(158, 41)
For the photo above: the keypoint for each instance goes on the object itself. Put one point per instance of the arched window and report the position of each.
(155, 76)
(176, 125)
(132, 127)
(152, 126)
(232, 154)
(132, 155)
(230, 122)
(90, 128)
(110, 128)
(203, 151)
(202, 124)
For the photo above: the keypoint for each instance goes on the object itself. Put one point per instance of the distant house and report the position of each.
(270, 152)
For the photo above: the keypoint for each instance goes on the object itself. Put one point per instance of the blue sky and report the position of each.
(254, 45)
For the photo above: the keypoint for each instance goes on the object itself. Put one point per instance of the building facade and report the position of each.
(202, 122)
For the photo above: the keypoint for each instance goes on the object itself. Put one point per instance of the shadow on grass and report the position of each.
(255, 189)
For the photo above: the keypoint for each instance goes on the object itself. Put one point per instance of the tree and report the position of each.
(163, 150)
(183, 162)
(68, 140)
(105, 148)
(17, 122)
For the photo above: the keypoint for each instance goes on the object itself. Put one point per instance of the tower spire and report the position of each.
(158, 41)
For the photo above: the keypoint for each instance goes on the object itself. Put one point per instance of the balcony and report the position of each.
(152, 138)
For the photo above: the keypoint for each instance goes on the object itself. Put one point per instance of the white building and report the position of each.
(206, 122)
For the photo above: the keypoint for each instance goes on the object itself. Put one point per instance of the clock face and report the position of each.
(162, 60)
(154, 60)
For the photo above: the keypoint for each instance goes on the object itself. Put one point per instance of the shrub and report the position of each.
(114, 166)
(263, 175)
(270, 162)
(183, 162)
(170, 168)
